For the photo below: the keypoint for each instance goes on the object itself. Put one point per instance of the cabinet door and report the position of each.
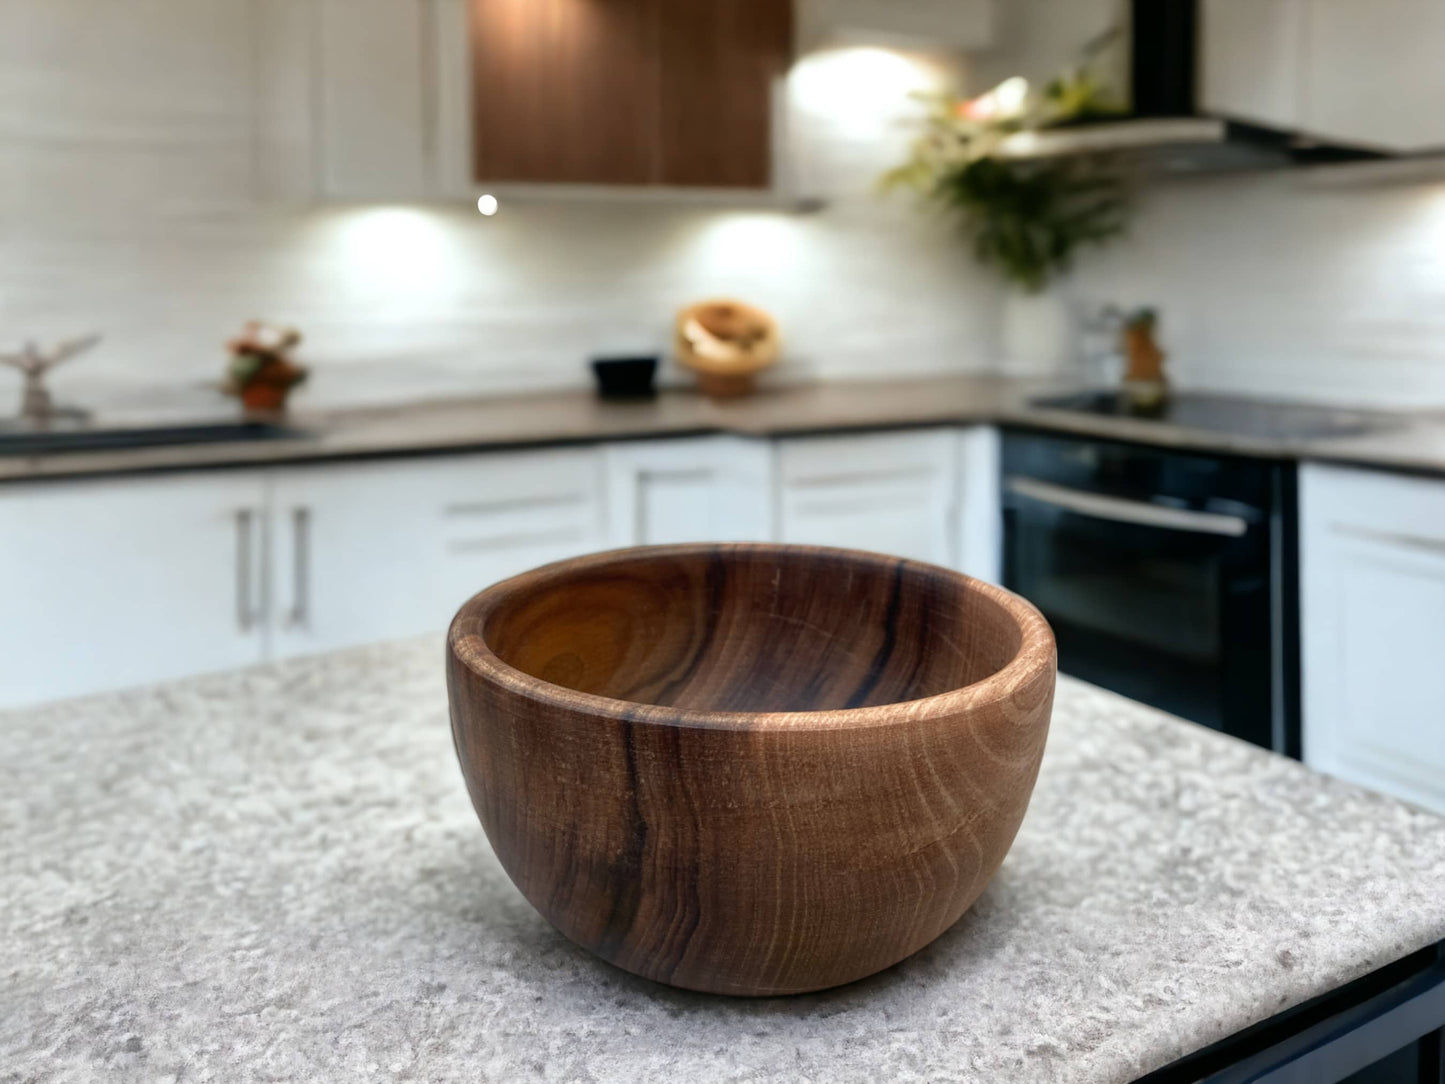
(373, 73)
(1374, 74)
(565, 91)
(893, 493)
(370, 552)
(627, 92)
(1251, 56)
(1373, 629)
(719, 65)
(125, 582)
(709, 489)
(353, 548)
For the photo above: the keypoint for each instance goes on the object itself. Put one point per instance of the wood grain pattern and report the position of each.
(719, 62)
(750, 769)
(627, 91)
(565, 91)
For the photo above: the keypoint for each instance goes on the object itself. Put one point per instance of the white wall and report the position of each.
(129, 181)
(1325, 284)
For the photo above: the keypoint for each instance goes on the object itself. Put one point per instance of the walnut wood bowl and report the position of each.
(750, 769)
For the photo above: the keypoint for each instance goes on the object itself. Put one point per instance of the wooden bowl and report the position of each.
(750, 769)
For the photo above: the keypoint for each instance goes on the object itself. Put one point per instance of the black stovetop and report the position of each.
(1227, 414)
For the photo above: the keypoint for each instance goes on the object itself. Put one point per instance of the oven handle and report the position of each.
(1121, 510)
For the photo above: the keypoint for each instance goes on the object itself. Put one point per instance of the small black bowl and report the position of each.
(625, 377)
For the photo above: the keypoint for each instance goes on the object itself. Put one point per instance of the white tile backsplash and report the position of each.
(1326, 284)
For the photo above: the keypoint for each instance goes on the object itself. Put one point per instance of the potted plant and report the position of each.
(1027, 217)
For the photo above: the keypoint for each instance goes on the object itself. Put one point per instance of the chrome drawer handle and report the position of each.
(245, 616)
(300, 615)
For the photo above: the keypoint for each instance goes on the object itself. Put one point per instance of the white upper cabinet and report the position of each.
(1361, 74)
(359, 99)
(373, 75)
(1374, 73)
(138, 106)
(124, 582)
(704, 489)
(1372, 552)
(1251, 59)
(960, 25)
(894, 493)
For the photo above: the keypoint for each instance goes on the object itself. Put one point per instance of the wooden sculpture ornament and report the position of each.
(726, 343)
(750, 769)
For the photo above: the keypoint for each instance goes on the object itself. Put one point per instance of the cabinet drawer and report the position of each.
(868, 459)
(546, 499)
(502, 513)
(894, 493)
(1375, 505)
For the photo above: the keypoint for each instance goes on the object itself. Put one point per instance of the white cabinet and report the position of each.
(1373, 73)
(352, 555)
(704, 489)
(128, 581)
(378, 551)
(961, 25)
(124, 581)
(361, 99)
(141, 107)
(1251, 59)
(893, 492)
(1372, 550)
(372, 86)
(1366, 75)
(980, 505)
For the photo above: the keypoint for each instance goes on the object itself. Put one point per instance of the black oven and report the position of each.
(1169, 577)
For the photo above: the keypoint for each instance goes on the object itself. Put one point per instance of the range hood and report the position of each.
(1164, 131)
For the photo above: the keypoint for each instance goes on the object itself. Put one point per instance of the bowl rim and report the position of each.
(466, 645)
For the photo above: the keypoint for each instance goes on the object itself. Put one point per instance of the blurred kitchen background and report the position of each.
(458, 203)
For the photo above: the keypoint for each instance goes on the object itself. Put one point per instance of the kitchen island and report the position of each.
(276, 874)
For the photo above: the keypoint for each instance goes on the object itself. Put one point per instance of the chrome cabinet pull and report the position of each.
(300, 615)
(1122, 510)
(244, 616)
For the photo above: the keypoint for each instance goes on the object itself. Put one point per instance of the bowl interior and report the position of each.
(752, 629)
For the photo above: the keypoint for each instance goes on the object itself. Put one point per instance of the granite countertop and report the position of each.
(275, 874)
(1408, 441)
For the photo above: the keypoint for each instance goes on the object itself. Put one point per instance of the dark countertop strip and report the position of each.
(1410, 441)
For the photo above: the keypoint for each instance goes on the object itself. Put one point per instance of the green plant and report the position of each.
(1027, 217)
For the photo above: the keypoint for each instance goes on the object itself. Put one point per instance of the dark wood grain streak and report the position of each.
(661, 748)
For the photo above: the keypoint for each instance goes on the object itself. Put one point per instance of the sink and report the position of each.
(121, 438)
(1227, 414)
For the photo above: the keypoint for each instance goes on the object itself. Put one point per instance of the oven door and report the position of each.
(1167, 605)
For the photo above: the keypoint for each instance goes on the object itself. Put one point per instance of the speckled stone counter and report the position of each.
(276, 875)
